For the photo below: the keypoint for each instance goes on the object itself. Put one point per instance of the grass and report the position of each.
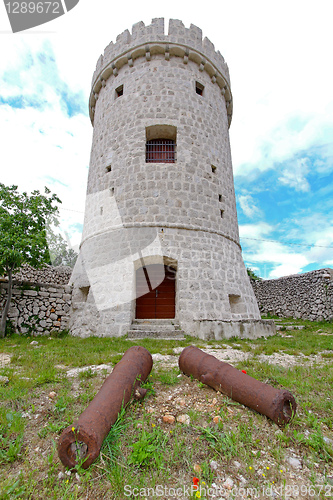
(167, 377)
(11, 433)
(141, 451)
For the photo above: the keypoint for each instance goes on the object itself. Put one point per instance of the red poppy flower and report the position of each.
(244, 371)
(196, 481)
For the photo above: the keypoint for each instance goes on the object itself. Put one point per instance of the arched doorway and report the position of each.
(155, 292)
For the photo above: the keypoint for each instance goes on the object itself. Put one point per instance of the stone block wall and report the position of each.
(41, 299)
(307, 296)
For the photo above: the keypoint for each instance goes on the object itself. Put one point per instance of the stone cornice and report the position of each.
(185, 227)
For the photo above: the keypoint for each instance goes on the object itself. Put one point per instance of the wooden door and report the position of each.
(155, 292)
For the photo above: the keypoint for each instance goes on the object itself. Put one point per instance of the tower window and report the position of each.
(213, 169)
(120, 91)
(84, 292)
(222, 213)
(220, 198)
(235, 302)
(161, 151)
(108, 168)
(199, 88)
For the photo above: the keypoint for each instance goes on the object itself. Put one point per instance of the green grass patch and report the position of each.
(141, 451)
(11, 435)
(167, 377)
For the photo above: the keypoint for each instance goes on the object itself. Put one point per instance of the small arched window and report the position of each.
(160, 151)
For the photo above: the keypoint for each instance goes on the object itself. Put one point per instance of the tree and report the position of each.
(61, 253)
(23, 239)
(253, 275)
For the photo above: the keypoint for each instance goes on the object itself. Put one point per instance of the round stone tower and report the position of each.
(160, 242)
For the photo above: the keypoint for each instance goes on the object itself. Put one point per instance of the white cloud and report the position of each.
(279, 111)
(255, 230)
(47, 148)
(315, 232)
(248, 206)
(285, 270)
(285, 260)
(322, 249)
(295, 175)
(263, 252)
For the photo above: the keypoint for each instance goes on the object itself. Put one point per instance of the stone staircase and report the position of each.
(166, 329)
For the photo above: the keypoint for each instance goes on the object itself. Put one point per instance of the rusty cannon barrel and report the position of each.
(278, 405)
(82, 442)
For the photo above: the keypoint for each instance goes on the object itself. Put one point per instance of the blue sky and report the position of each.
(279, 56)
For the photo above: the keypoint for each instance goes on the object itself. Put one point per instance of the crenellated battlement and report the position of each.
(145, 41)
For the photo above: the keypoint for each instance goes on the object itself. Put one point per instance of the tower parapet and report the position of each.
(146, 41)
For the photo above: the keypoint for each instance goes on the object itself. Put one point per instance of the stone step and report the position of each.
(157, 328)
(155, 324)
(154, 321)
(162, 334)
(166, 329)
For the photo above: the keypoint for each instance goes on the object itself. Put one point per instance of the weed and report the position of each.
(53, 427)
(56, 334)
(50, 458)
(86, 374)
(317, 442)
(194, 415)
(11, 434)
(149, 450)
(111, 444)
(10, 329)
(327, 355)
(168, 378)
(207, 473)
(148, 384)
(86, 397)
(60, 406)
(12, 488)
(47, 376)
(228, 443)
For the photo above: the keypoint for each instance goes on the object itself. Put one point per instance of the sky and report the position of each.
(280, 60)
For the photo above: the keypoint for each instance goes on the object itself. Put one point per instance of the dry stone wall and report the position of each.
(41, 299)
(59, 275)
(39, 308)
(307, 296)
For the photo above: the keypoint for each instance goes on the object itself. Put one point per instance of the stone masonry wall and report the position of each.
(41, 299)
(307, 296)
(59, 275)
(37, 308)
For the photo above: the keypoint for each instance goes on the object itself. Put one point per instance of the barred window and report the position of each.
(161, 151)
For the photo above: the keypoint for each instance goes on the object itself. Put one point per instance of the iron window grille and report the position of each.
(161, 151)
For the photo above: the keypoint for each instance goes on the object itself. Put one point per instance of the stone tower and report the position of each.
(160, 240)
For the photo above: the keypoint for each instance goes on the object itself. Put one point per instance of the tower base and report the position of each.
(243, 329)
